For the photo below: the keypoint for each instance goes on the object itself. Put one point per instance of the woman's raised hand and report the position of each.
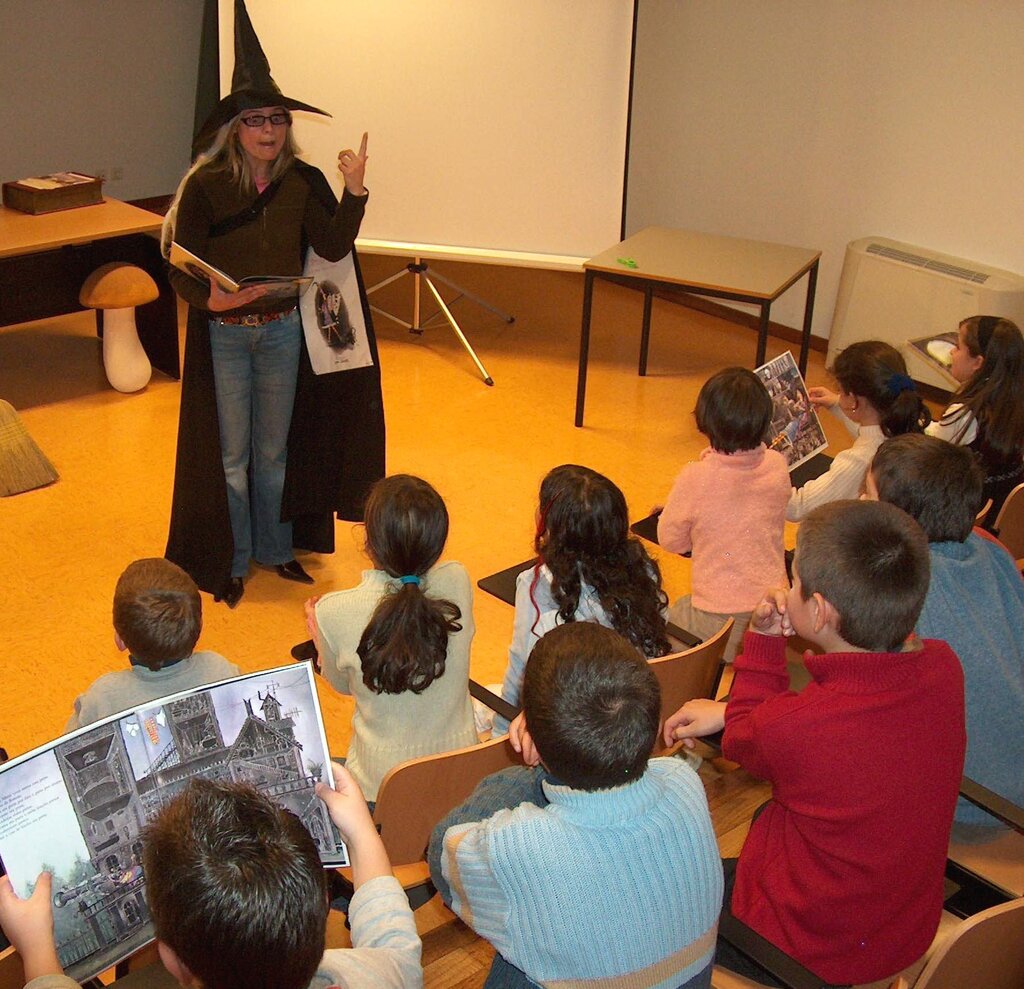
(352, 165)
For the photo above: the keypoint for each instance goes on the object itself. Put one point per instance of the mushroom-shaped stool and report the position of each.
(117, 288)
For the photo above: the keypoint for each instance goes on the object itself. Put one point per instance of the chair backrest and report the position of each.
(985, 952)
(415, 795)
(682, 676)
(1010, 522)
(12, 972)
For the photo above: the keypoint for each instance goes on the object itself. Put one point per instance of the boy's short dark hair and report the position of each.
(235, 888)
(592, 706)
(734, 410)
(157, 612)
(935, 482)
(870, 561)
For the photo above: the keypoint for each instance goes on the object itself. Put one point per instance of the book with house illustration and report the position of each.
(277, 286)
(795, 430)
(76, 806)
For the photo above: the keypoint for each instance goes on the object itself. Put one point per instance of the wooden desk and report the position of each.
(44, 260)
(751, 271)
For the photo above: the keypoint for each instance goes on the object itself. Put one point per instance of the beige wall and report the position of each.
(94, 85)
(816, 122)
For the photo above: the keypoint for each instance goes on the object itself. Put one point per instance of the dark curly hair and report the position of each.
(405, 644)
(583, 537)
(875, 371)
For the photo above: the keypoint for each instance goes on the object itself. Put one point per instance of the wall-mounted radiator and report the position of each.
(897, 292)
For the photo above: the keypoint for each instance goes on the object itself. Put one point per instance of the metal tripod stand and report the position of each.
(421, 272)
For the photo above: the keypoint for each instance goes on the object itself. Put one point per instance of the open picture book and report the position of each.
(76, 806)
(796, 430)
(277, 286)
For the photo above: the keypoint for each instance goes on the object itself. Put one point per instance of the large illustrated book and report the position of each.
(76, 807)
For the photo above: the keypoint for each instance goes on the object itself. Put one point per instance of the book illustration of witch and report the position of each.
(332, 317)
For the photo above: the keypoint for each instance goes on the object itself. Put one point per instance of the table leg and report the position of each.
(581, 376)
(645, 333)
(805, 339)
(762, 333)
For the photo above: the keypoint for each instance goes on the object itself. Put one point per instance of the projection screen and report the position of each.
(495, 126)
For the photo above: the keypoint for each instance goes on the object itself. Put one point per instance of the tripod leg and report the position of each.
(488, 380)
(508, 317)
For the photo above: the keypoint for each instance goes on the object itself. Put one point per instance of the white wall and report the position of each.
(816, 122)
(94, 85)
(493, 123)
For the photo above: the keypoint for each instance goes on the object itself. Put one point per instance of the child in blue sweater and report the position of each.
(975, 602)
(603, 868)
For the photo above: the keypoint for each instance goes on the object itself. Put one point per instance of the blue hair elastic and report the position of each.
(409, 578)
(899, 383)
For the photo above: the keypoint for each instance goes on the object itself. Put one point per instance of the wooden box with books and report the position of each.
(49, 193)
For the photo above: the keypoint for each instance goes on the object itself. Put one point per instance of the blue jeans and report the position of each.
(255, 369)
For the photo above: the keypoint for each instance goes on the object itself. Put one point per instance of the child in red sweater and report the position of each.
(844, 868)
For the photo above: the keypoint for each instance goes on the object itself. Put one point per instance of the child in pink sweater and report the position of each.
(729, 509)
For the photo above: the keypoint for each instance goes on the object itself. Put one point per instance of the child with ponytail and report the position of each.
(876, 399)
(399, 642)
(987, 413)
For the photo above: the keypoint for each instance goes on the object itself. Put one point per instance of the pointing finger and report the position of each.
(362, 146)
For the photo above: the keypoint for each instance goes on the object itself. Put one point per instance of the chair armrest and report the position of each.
(762, 952)
(489, 699)
(999, 807)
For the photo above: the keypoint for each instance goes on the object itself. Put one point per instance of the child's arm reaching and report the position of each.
(29, 926)
(676, 519)
(385, 948)
(822, 398)
(761, 676)
(694, 719)
(347, 807)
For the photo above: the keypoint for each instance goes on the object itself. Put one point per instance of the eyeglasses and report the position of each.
(259, 119)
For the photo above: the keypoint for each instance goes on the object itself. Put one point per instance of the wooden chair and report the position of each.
(990, 872)
(12, 972)
(692, 673)
(1010, 522)
(984, 952)
(982, 512)
(416, 795)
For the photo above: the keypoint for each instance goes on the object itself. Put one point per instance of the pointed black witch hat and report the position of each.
(252, 85)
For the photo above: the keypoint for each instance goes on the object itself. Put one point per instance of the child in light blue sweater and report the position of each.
(603, 867)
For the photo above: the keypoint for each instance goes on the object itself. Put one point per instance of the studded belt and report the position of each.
(253, 318)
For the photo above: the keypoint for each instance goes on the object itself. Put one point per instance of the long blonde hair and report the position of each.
(226, 153)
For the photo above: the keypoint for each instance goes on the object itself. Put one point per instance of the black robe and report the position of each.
(335, 448)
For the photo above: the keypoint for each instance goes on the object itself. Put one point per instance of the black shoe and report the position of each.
(232, 592)
(293, 571)
(304, 651)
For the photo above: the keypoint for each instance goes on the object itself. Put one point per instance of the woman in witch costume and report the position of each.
(267, 451)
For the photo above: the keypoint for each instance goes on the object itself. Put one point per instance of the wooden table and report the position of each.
(44, 260)
(751, 271)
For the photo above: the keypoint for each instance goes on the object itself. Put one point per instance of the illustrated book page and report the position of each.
(796, 430)
(77, 806)
(277, 286)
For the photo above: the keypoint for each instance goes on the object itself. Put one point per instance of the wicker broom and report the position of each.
(23, 466)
